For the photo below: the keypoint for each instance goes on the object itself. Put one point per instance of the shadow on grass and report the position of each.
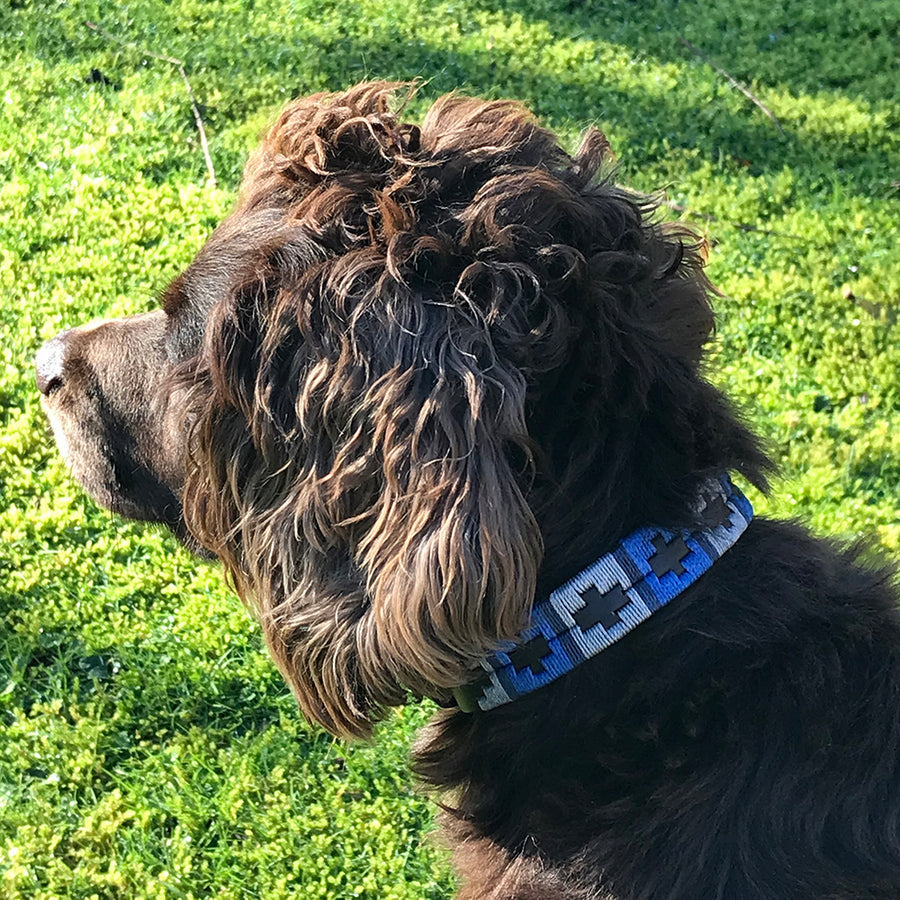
(804, 56)
(701, 114)
(845, 47)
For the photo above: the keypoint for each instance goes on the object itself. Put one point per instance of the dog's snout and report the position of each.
(50, 364)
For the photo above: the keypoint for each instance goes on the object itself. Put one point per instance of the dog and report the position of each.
(434, 395)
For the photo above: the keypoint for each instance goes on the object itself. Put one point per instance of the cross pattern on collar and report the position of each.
(610, 597)
(602, 608)
(716, 512)
(530, 655)
(669, 555)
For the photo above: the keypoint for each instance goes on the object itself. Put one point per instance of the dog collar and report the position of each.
(609, 598)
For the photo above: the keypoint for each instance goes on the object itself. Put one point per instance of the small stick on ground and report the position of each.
(732, 81)
(740, 226)
(179, 64)
(693, 214)
(686, 210)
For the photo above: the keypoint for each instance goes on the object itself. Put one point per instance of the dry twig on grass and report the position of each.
(179, 64)
(732, 81)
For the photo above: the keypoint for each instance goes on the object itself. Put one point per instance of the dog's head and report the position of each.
(411, 360)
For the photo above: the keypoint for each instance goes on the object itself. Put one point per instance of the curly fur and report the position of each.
(361, 450)
(425, 374)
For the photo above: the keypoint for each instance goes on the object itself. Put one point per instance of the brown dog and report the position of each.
(422, 377)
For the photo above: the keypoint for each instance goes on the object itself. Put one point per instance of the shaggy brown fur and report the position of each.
(423, 375)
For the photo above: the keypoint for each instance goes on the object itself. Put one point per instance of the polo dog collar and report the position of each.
(609, 598)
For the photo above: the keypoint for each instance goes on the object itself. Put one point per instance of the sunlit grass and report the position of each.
(147, 746)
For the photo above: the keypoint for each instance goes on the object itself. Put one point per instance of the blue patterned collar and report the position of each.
(609, 598)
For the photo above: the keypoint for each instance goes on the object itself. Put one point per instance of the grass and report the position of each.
(147, 746)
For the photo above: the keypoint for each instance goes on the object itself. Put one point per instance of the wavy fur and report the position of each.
(360, 445)
(427, 374)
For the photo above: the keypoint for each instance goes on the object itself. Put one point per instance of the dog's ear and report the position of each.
(355, 452)
(451, 550)
(358, 438)
(360, 457)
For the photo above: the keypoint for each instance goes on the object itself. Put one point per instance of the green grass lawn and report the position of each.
(147, 746)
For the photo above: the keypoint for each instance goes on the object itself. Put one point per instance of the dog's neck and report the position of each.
(611, 597)
(608, 470)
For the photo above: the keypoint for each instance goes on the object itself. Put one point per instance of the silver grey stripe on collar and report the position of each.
(609, 598)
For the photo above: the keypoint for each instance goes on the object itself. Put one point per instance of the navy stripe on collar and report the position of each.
(609, 598)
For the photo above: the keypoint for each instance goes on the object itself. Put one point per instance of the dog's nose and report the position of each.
(50, 364)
